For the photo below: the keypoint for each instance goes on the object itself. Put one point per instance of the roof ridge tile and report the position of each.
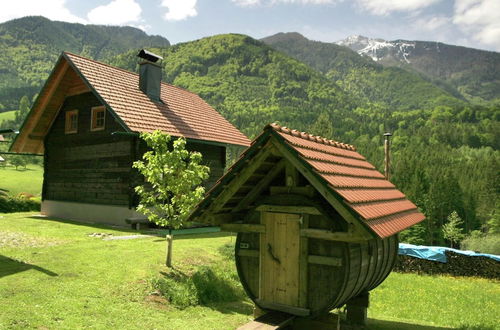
(310, 137)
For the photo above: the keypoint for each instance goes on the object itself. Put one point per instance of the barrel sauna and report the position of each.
(281, 269)
(316, 223)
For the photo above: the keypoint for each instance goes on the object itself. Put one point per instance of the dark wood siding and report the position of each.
(96, 167)
(214, 157)
(87, 167)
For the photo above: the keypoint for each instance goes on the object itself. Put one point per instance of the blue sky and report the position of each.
(472, 23)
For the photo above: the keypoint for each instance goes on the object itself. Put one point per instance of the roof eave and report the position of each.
(36, 103)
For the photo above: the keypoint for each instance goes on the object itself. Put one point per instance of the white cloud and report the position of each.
(385, 7)
(179, 9)
(479, 18)
(432, 23)
(252, 3)
(117, 12)
(52, 9)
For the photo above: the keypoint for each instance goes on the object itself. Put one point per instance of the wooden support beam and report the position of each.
(248, 253)
(243, 228)
(272, 320)
(283, 308)
(226, 217)
(323, 189)
(259, 187)
(331, 236)
(288, 209)
(77, 89)
(36, 137)
(322, 260)
(239, 180)
(279, 190)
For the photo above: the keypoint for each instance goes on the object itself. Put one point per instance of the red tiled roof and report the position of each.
(182, 113)
(365, 190)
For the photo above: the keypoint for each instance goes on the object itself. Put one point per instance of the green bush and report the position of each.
(482, 243)
(206, 286)
(179, 291)
(10, 204)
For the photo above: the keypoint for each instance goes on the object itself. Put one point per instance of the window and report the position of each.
(71, 124)
(98, 118)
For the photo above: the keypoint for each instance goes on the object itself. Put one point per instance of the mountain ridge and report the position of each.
(32, 44)
(473, 73)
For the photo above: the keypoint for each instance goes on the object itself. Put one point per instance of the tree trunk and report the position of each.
(169, 248)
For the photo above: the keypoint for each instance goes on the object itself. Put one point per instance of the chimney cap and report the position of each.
(149, 56)
(387, 134)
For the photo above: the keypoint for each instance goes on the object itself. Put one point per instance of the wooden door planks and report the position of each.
(279, 259)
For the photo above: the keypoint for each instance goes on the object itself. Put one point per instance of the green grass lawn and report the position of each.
(53, 275)
(27, 180)
(7, 115)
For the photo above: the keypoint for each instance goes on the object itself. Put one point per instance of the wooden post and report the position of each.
(357, 310)
(387, 162)
(169, 248)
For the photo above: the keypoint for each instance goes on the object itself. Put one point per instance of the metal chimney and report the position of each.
(150, 75)
(387, 160)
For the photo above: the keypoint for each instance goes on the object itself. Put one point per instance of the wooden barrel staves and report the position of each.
(283, 268)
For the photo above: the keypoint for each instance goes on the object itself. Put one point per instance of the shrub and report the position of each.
(206, 286)
(10, 204)
(482, 243)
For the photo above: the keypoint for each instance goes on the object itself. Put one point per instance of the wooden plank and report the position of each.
(266, 263)
(332, 236)
(269, 321)
(322, 260)
(248, 253)
(323, 190)
(306, 191)
(291, 269)
(291, 176)
(259, 187)
(288, 209)
(239, 180)
(283, 308)
(243, 228)
(303, 264)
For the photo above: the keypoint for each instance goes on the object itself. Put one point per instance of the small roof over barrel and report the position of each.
(180, 112)
(336, 170)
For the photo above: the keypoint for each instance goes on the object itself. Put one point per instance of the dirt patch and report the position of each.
(15, 239)
(158, 301)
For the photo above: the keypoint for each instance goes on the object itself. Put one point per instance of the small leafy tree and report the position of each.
(173, 176)
(18, 160)
(452, 230)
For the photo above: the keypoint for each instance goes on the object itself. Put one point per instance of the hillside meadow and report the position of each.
(23, 180)
(63, 275)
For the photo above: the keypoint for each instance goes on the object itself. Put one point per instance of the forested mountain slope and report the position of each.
(473, 73)
(31, 45)
(392, 87)
(250, 83)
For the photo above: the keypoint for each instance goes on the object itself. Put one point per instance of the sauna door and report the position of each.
(279, 259)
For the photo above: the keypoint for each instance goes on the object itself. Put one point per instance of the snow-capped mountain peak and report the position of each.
(378, 49)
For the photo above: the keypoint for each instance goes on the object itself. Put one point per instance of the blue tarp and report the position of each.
(437, 253)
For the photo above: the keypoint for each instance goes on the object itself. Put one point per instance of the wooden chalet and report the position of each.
(317, 224)
(86, 122)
